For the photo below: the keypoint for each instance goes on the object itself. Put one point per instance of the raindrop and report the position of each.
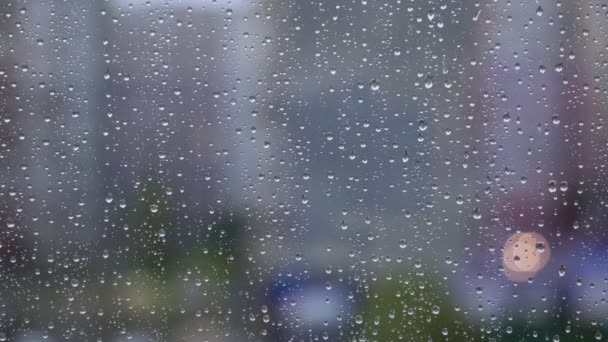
(374, 85)
(477, 213)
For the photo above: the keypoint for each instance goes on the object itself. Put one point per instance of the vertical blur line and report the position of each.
(7, 105)
(48, 74)
(10, 27)
(58, 109)
(59, 122)
(459, 118)
(585, 66)
(523, 147)
(79, 58)
(520, 149)
(8, 146)
(98, 24)
(587, 57)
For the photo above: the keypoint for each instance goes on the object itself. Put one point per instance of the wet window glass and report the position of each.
(282, 170)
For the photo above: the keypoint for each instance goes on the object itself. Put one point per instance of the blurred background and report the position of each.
(349, 170)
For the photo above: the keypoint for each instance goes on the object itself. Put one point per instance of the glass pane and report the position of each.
(231, 170)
